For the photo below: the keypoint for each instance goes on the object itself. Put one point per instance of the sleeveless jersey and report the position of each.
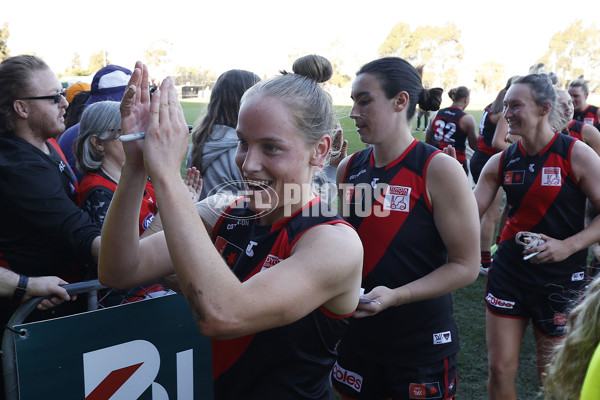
(542, 197)
(486, 133)
(587, 116)
(446, 131)
(389, 208)
(574, 129)
(95, 181)
(288, 362)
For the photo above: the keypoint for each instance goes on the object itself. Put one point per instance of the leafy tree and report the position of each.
(76, 69)
(573, 52)
(490, 76)
(158, 53)
(194, 76)
(4, 52)
(437, 47)
(98, 61)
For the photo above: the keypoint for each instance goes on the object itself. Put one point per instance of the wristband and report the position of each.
(21, 288)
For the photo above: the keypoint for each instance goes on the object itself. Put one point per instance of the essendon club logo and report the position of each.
(424, 391)
(551, 176)
(514, 177)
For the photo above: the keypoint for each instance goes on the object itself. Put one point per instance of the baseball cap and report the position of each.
(75, 88)
(109, 83)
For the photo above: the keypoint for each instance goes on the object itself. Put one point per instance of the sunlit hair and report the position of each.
(101, 119)
(397, 75)
(459, 93)
(565, 374)
(223, 108)
(498, 103)
(564, 119)
(15, 81)
(543, 92)
(580, 83)
(309, 104)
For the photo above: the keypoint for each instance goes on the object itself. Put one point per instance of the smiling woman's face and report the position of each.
(272, 156)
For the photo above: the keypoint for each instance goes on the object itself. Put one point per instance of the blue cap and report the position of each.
(109, 84)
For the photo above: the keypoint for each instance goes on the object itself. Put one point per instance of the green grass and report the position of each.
(469, 307)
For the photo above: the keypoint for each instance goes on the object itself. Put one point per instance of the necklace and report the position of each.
(115, 180)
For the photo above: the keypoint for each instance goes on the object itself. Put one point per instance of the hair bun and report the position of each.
(313, 66)
(430, 99)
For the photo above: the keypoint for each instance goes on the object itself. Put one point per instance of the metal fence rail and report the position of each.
(8, 340)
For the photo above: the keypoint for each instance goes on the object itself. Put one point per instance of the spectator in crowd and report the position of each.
(108, 84)
(43, 233)
(214, 141)
(75, 88)
(75, 109)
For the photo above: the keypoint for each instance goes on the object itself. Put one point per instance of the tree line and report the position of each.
(572, 53)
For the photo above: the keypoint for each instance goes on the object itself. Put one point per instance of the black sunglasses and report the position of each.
(56, 97)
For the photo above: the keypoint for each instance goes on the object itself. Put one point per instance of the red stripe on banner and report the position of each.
(112, 383)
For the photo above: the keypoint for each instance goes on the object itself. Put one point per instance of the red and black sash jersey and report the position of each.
(289, 362)
(542, 196)
(587, 116)
(446, 131)
(486, 133)
(92, 181)
(389, 208)
(574, 130)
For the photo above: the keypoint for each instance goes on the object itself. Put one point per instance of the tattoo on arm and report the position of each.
(191, 296)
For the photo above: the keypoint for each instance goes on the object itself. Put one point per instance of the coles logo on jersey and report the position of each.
(270, 261)
(551, 176)
(514, 177)
(589, 121)
(493, 301)
(424, 391)
(442, 337)
(397, 198)
(229, 251)
(346, 377)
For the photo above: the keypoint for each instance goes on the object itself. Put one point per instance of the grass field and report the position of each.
(469, 307)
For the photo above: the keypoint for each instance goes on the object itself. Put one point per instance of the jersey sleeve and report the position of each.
(96, 204)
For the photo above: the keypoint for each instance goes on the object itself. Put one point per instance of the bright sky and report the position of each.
(259, 35)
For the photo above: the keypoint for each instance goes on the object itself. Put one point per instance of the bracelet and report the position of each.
(21, 288)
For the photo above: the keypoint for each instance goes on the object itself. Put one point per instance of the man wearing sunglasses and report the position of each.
(43, 234)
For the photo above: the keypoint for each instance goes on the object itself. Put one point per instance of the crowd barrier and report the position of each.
(149, 350)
